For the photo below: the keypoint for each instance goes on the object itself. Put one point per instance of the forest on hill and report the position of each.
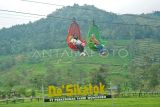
(51, 32)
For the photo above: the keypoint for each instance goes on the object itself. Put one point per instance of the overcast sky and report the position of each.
(117, 6)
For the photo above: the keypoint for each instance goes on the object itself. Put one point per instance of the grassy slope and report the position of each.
(31, 64)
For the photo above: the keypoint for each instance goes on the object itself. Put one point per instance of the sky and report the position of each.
(8, 19)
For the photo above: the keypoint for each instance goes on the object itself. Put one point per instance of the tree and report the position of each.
(99, 76)
(154, 76)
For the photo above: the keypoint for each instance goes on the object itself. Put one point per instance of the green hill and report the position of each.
(50, 32)
(37, 52)
(62, 66)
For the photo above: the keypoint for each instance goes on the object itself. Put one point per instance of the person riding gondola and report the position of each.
(97, 44)
(80, 45)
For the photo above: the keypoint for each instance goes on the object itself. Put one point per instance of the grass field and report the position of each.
(115, 102)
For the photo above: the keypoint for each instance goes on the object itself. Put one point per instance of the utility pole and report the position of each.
(43, 93)
(111, 93)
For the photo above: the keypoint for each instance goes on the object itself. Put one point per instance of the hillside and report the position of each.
(60, 66)
(36, 53)
(24, 72)
(50, 32)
